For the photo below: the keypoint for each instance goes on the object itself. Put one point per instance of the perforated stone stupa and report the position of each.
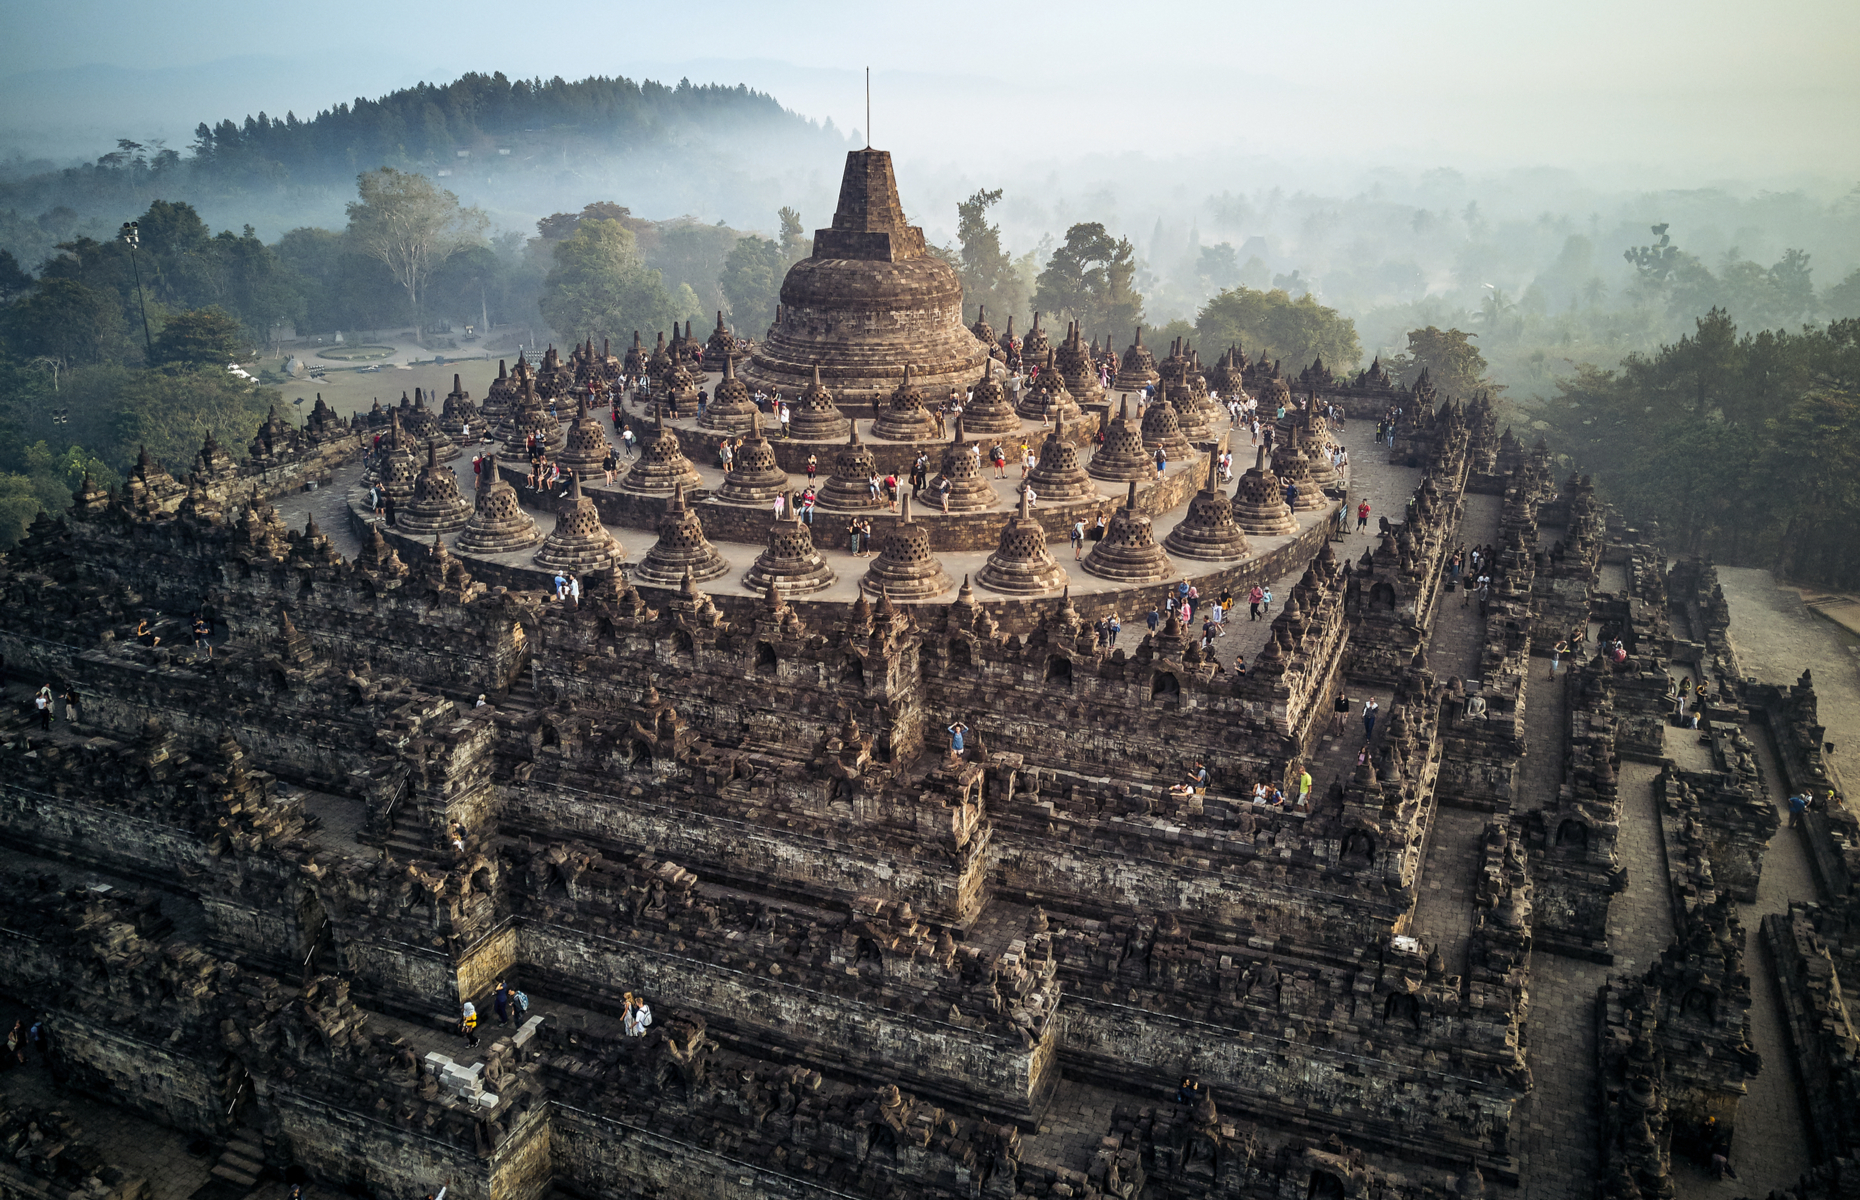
(814, 416)
(906, 569)
(579, 542)
(1122, 456)
(1207, 532)
(1138, 369)
(756, 478)
(1048, 398)
(1022, 565)
(904, 417)
(989, 411)
(791, 564)
(1076, 367)
(681, 549)
(436, 505)
(1129, 553)
(730, 409)
(662, 466)
(969, 489)
(1259, 501)
(870, 299)
(460, 418)
(585, 447)
(1162, 428)
(1058, 475)
(849, 487)
(498, 524)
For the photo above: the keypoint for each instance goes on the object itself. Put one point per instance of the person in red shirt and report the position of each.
(1362, 516)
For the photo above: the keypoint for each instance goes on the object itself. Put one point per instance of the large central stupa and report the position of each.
(870, 301)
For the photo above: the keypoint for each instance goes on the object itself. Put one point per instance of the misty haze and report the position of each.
(1201, 600)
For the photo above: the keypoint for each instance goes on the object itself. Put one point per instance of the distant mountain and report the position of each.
(519, 148)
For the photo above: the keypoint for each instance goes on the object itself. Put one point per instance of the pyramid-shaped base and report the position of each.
(1120, 468)
(991, 418)
(914, 425)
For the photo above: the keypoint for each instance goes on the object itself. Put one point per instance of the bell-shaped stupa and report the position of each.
(1259, 501)
(1022, 565)
(1122, 456)
(870, 299)
(791, 564)
(906, 569)
(436, 505)
(681, 548)
(1208, 532)
(579, 542)
(498, 524)
(849, 487)
(903, 418)
(813, 417)
(662, 466)
(1129, 553)
(969, 489)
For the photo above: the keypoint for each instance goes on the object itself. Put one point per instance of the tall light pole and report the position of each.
(132, 239)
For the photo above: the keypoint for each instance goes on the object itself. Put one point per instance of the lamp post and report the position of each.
(132, 239)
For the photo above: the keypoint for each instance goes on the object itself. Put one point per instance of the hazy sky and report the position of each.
(1669, 89)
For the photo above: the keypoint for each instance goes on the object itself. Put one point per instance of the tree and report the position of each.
(986, 270)
(1090, 277)
(66, 320)
(1843, 299)
(795, 244)
(1453, 364)
(14, 282)
(1273, 326)
(752, 276)
(172, 411)
(410, 225)
(1219, 266)
(208, 337)
(599, 287)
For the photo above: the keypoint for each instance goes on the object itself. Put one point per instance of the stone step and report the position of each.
(245, 1148)
(233, 1175)
(249, 1164)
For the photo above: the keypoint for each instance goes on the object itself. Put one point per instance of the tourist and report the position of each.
(1340, 708)
(610, 464)
(852, 536)
(500, 1003)
(784, 421)
(865, 538)
(998, 456)
(1254, 597)
(891, 491)
(1362, 516)
(468, 1023)
(920, 472)
(1154, 619)
(813, 468)
(1099, 526)
(630, 440)
(1198, 778)
(874, 487)
(202, 632)
(807, 507)
(42, 701)
(146, 635)
(1116, 627)
(74, 705)
(942, 493)
(1304, 788)
(377, 500)
(1162, 461)
(1078, 539)
(1556, 656)
(1265, 603)
(561, 585)
(638, 1015)
(1032, 496)
(1798, 804)
(955, 738)
(1291, 495)
(1370, 711)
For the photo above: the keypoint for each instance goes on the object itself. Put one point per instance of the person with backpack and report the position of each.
(1078, 539)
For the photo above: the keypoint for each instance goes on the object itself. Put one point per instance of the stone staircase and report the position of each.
(239, 1166)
